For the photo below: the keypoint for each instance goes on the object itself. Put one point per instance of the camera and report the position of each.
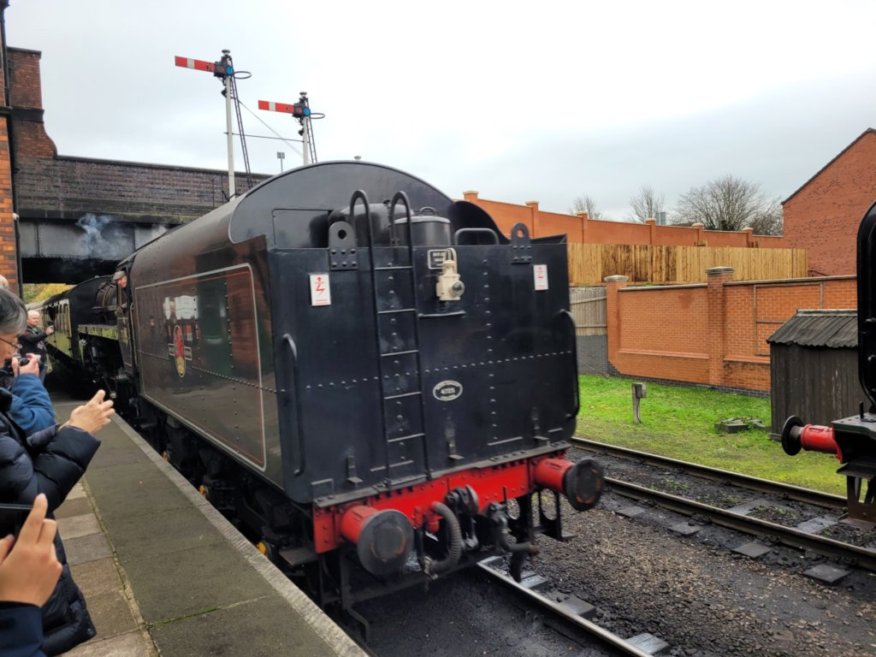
(12, 517)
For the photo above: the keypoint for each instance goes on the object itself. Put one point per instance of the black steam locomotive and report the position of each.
(852, 439)
(369, 377)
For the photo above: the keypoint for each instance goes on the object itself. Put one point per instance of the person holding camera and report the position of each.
(33, 341)
(49, 461)
(24, 397)
(29, 572)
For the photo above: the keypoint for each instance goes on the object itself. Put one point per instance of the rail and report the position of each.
(591, 628)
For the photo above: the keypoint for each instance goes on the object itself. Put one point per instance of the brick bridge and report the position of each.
(77, 217)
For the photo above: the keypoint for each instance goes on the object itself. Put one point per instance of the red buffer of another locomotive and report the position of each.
(812, 437)
(852, 439)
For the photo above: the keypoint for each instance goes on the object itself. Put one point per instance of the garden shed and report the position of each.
(814, 368)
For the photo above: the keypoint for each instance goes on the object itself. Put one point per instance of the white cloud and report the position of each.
(533, 100)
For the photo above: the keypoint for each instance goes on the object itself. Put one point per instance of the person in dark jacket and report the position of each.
(50, 461)
(33, 340)
(29, 571)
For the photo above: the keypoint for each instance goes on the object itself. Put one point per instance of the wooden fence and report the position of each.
(588, 310)
(589, 264)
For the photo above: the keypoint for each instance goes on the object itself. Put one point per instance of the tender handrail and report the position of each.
(287, 341)
(467, 231)
(457, 313)
(360, 195)
(565, 314)
(401, 196)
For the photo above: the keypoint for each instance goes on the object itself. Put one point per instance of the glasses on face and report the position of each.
(14, 345)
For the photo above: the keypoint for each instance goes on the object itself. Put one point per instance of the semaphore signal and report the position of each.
(300, 111)
(224, 70)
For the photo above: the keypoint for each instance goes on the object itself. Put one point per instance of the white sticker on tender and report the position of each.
(540, 276)
(320, 293)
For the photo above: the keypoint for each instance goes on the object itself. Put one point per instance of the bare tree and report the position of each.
(770, 220)
(585, 204)
(647, 203)
(729, 203)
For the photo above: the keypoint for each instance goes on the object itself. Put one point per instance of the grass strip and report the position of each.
(679, 422)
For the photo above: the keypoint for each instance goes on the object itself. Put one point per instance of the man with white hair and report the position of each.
(33, 340)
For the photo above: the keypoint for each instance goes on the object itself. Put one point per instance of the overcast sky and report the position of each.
(521, 101)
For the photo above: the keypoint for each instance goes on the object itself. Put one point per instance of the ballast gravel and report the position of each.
(703, 599)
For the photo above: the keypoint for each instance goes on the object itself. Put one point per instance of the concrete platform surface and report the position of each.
(164, 573)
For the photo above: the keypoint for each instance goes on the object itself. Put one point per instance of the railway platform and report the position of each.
(164, 573)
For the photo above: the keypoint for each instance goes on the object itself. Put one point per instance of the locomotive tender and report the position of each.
(365, 374)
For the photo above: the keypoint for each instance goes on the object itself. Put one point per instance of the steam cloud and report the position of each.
(101, 239)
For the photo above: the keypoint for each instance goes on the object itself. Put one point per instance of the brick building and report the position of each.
(823, 215)
(8, 255)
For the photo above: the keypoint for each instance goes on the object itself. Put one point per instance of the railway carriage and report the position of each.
(369, 377)
(85, 338)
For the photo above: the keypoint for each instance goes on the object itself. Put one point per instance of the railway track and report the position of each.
(571, 610)
(738, 516)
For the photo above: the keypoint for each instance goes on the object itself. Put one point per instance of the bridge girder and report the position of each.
(72, 252)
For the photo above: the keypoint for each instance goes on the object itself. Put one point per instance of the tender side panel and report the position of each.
(199, 354)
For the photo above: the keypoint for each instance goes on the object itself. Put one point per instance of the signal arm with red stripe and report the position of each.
(216, 68)
(298, 110)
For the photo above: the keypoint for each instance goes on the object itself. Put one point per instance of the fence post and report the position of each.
(533, 222)
(612, 314)
(717, 277)
(652, 227)
(584, 220)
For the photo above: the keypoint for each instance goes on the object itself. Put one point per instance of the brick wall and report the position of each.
(713, 333)
(580, 228)
(68, 187)
(823, 215)
(8, 262)
(29, 132)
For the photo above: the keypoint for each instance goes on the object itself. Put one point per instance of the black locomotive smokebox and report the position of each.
(583, 484)
(385, 542)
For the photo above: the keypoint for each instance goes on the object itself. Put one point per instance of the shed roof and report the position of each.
(834, 329)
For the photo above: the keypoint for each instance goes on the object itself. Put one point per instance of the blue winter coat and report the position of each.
(31, 409)
(50, 461)
(21, 630)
